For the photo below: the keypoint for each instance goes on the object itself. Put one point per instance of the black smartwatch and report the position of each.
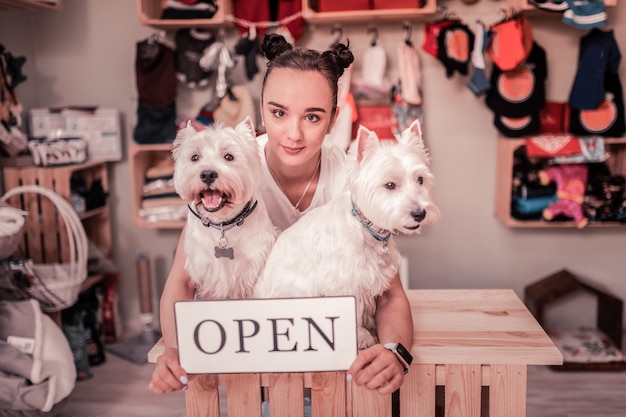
(402, 354)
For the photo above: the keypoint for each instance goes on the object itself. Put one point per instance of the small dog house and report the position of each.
(583, 349)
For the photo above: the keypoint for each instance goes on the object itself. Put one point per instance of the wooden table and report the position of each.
(465, 340)
(471, 349)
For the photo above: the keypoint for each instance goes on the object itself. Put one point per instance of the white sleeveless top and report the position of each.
(331, 182)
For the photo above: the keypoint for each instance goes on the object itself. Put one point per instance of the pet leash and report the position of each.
(378, 235)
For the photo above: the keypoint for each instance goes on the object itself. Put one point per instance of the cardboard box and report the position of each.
(99, 126)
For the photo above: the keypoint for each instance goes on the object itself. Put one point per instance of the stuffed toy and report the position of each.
(571, 182)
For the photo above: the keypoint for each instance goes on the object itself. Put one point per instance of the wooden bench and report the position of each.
(471, 350)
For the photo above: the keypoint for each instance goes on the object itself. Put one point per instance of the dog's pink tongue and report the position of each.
(211, 199)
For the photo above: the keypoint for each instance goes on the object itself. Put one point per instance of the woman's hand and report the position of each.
(377, 369)
(168, 376)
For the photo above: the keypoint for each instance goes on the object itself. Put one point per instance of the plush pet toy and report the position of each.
(571, 182)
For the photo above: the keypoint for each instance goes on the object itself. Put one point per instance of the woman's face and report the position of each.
(296, 109)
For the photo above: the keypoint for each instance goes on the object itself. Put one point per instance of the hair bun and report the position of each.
(273, 45)
(343, 55)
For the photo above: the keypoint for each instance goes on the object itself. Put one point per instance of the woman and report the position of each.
(301, 171)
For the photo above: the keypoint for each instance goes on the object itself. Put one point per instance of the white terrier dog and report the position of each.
(345, 247)
(229, 233)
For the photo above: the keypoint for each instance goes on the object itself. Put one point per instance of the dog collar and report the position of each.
(222, 250)
(236, 221)
(381, 235)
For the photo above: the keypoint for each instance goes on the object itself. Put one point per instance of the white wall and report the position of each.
(85, 55)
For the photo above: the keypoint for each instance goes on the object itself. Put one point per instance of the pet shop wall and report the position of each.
(84, 55)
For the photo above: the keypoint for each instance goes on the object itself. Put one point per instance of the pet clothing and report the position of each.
(190, 47)
(571, 182)
(519, 92)
(479, 84)
(517, 127)
(155, 73)
(598, 54)
(410, 77)
(511, 43)
(454, 47)
(608, 118)
(332, 179)
(430, 44)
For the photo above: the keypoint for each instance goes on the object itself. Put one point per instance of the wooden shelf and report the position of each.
(149, 12)
(141, 158)
(31, 5)
(360, 16)
(504, 183)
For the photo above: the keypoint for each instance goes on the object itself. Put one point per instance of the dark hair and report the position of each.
(330, 64)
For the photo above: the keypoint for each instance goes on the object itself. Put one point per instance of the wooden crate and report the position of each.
(471, 348)
(45, 237)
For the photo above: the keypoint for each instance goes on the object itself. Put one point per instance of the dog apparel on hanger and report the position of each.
(373, 83)
(190, 46)
(455, 43)
(519, 92)
(596, 101)
(608, 118)
(410, 75)
(249, 46)
(598, 53)
(431, 32)
(155, 75)
(510, 43)
(479, 84)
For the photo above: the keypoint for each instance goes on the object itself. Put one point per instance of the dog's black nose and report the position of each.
(418, 214)
(208, 176)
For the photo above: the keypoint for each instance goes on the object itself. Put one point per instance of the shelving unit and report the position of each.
(46, 239)
(360, 16)
(31, 5)
(504, 182)
(149, 12)
(142, 157)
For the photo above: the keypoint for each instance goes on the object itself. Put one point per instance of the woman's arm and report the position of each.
(168, 376)
(377, 368)
(177, 287)
(394, 322)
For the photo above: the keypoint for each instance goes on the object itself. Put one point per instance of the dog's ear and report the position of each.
(365, 138)
(182, 135)
(246, 128)
(416, 129)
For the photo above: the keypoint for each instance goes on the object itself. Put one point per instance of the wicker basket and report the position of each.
(56, 285)
(11, 229)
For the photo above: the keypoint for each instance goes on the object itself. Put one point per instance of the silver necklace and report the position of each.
(306, 189)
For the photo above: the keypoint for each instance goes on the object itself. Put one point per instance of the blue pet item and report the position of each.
(585, 14)
(533, 205)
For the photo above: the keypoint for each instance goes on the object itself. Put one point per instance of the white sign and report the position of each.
(266, 335)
